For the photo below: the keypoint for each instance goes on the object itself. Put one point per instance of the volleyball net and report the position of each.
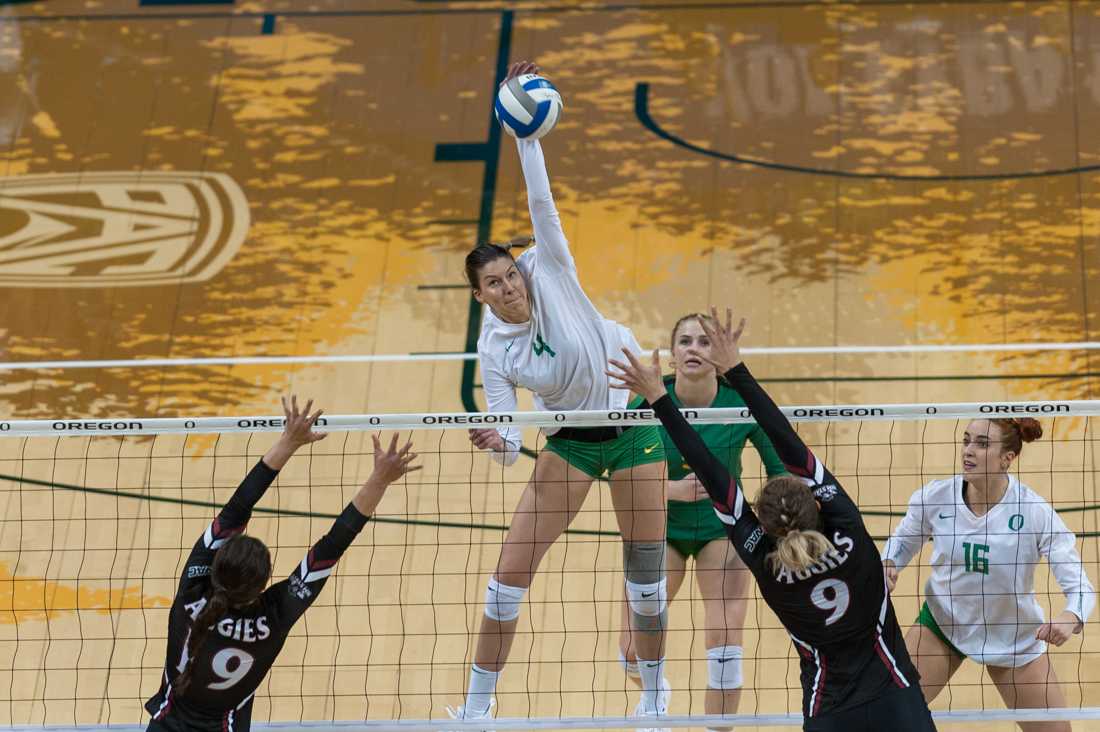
(98, 516)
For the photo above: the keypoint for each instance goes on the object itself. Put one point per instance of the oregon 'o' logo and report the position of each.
(1016, 521)
(119, 228)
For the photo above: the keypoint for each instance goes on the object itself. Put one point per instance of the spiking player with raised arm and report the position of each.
(817, 567)
(224, 628)
(542, 333)
(989, 532)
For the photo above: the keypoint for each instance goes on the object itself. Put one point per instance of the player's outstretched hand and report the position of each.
(519, 68)
(725, 342)
(298, 428)
(297, 431)
(1058, 630)
(487, 439)
(391, 463)
(639, 377)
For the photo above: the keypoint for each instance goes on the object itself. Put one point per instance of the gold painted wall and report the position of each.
(329, 127)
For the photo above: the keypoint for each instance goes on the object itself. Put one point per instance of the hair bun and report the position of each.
(1030, 429)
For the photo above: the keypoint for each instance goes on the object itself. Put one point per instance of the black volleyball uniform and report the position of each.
(241, 647)
(838, 613)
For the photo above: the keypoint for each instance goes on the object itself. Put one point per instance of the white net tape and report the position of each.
(579, 418)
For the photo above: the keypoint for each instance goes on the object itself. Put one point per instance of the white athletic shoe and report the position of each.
(459, 712)
(664, 696)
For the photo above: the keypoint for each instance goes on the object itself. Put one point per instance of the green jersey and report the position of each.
(726, 441)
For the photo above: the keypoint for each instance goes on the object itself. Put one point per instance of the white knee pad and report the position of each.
(502, 601)
(724, 667)
(649, 600)
(630, 667)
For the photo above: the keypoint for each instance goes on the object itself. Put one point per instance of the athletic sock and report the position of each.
(651, 672)
(483, 685)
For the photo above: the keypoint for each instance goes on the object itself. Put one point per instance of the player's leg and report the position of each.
(724, 584)
(936, 659)
(549, 502)
(1031, 686)
(675, 569)
(637, 467)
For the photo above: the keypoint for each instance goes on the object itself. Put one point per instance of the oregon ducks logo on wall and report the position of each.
(118, 229)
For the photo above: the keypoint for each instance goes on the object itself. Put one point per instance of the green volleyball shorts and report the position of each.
(618, 450)
(925, 618)
(692, 525)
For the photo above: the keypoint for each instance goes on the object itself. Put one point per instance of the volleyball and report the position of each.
(527, 106)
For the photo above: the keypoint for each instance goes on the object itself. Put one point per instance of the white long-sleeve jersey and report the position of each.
(981, 591)
(561, 353)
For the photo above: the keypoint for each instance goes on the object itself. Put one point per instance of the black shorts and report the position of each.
(181, 723)
(902, 710)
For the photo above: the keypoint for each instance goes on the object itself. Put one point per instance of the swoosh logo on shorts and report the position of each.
(649, 594)
(648, 450)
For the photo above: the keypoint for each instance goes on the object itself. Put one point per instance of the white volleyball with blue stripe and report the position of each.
(528, 106)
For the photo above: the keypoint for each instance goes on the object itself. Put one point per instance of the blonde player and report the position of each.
(988, 533)
(694, 530)
(816, 565)
(542, 333)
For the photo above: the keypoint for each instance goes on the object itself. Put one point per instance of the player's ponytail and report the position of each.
(217, 603)
(787, 511)
(1015, 432)
(482, 254)
(799, 549)
(240, 572)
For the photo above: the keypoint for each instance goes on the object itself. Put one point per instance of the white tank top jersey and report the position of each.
(981, 590)
(561, 353)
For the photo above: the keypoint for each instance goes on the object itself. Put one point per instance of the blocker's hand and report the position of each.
(487, 439)
(391, 463)
(298, 428)
(725, 342)
(1058, 630)
(638, 377)
(297, 431)
(519, 68)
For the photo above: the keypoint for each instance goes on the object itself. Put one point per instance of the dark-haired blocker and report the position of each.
(816, 565)
(224, 629)
(694, 530)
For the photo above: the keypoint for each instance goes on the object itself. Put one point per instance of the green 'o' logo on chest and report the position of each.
(1016, 521)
